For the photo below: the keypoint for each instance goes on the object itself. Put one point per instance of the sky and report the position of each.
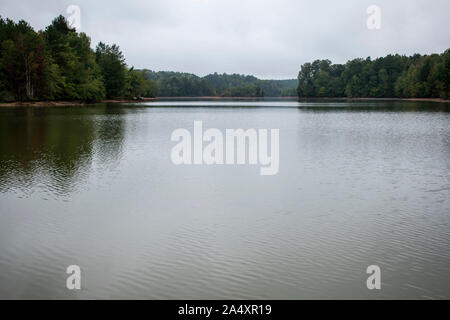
(268, 39)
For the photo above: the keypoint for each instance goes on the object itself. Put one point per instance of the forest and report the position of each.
(177, 84)
(58, 63)
(393, 76)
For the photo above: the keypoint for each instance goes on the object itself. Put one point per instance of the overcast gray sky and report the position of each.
(269, 39)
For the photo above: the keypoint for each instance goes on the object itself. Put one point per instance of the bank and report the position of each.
(83, 103)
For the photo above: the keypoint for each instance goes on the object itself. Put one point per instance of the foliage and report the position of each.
(59, 63)
(177, 84)
(388, 77)
(113, 69)
(137, 85)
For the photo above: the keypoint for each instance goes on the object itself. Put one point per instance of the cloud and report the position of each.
(269, 39)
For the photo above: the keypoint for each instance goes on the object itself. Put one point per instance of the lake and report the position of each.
(359, 184)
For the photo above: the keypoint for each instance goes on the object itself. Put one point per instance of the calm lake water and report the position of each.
(363, 183)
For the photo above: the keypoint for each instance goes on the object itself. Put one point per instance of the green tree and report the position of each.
(23, 61)
(78, 75)
(113, 69)
(385, 77)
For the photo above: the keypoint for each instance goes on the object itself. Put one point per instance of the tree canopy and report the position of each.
(393, 76)
(59, 64)
(177, 84)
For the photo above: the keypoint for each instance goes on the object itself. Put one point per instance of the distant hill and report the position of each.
(178, 84)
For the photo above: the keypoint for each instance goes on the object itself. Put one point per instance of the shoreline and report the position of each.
(118, 101)
(60, 103)
(377, 99)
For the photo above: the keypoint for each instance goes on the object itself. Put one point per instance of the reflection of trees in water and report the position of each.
(374, 106)
(54, 148)
(110, 133)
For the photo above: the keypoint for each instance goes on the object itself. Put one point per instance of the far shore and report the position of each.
(376, 99)
(83, 103)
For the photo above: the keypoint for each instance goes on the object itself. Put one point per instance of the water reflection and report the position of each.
(54, 149)
(313, 105)
(375, 106)
(358, 185)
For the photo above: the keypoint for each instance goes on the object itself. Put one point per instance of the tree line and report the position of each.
(59, 64)
(393, 76)
(177, 84)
